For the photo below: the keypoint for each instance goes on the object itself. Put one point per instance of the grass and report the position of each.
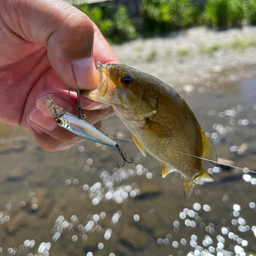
(151, 56)
(241, 44)
(213, 48)
(184, 52)
(137, 48)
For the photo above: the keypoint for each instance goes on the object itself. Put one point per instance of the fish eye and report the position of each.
(126, 80)
(59, 121)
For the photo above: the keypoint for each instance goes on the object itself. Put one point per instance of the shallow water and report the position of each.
(77, 202)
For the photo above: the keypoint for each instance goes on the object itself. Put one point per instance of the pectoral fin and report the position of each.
(143, 152)
(160, 130)
(189, 184)
(147, 106)
(208, 149)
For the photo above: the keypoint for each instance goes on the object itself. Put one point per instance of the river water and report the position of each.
(78, 202)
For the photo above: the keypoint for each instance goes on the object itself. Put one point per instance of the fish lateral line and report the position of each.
(199, 157)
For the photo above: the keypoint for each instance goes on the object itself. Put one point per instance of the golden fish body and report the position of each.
(159, 120)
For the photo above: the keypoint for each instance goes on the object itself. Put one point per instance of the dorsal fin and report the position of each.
(143, 152)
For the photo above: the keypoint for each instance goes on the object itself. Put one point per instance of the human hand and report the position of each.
(47, 47)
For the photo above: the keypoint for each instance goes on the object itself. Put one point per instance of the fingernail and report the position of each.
(36, 130)
(40, 104)
(38, 118)
(85, 73)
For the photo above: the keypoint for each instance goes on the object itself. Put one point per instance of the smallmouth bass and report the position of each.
(160, 121)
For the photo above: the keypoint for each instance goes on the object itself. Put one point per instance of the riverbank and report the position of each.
(192, 56)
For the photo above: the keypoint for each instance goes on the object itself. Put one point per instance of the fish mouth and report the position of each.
(103, 78)
(100, 93)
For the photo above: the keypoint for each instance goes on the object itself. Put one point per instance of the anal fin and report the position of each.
(165, 170)
(189, 184)
(143, 152)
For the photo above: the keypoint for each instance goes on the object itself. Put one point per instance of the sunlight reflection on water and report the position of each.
(86, 206)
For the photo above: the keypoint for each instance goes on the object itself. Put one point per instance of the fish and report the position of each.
(160, 121)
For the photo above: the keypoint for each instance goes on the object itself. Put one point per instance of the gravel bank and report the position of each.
(191, 56)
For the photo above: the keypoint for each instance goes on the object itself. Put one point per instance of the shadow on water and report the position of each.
(77, 202)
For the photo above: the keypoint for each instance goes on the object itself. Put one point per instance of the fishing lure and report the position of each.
(80, 126)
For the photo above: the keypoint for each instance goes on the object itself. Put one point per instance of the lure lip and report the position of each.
(55, 110)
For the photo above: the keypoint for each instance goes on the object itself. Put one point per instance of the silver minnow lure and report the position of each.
(76, 125)
(81, 127)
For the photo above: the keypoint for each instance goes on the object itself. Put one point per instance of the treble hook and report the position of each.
(123, 156)
(80, 111)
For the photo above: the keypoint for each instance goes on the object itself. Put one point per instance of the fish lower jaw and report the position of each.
(94, 95)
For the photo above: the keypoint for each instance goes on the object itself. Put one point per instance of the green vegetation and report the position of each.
(138, 48)
(224, 13)
(113, 21)
(162, 16)
(212, 49)
(184, 52)
(240, 44)
(249, 8)
(151, 56)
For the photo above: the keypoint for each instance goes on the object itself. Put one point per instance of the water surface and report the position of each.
(78, 202)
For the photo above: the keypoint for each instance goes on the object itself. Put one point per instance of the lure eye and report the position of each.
(126, 80)
(59, 122)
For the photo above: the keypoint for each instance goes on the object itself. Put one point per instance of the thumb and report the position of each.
(67, 33)
(70, 49)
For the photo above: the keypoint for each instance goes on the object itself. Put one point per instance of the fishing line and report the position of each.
(202, 158)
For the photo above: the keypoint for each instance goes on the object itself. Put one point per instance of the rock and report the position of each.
(13, 145)
(188, 88)
(160, 233)
(18, 221)
(150, 188)
(17, 174)
(40, 203)
(91, 244)
(131, 236)
(44, 201)
(217, 68)
(121, 250)
(148, 221)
